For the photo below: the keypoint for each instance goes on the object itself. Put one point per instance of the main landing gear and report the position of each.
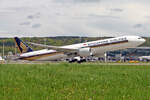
(77, 59)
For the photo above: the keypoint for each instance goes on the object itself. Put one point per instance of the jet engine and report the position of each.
(84, 52)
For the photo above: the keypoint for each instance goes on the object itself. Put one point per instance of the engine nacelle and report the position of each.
(84, 52)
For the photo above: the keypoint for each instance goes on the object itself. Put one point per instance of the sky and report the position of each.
(91, 18)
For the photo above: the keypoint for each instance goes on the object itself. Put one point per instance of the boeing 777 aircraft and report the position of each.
(77, 51)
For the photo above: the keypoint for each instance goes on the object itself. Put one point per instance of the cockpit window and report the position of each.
(139, 38)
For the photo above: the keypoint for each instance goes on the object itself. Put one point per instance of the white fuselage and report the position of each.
(98, 48)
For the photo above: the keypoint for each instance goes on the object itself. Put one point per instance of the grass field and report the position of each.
(74, 82)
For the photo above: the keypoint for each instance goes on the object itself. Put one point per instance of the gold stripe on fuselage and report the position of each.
(36, 57)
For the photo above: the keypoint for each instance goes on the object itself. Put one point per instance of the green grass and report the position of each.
(74, 82)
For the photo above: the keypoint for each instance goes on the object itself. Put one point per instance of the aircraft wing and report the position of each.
(57, 48)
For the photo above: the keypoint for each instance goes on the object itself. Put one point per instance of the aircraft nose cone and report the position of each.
(143, 40)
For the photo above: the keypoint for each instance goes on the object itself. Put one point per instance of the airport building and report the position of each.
(129, 54)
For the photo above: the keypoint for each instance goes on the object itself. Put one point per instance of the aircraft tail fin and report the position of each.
(23, 47)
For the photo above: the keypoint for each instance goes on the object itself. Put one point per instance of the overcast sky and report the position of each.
(74, 18)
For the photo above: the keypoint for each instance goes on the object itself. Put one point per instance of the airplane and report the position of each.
(76, 52)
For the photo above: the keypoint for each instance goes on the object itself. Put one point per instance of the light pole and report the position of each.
(15, 49)
(45, 41)
(3, 49)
